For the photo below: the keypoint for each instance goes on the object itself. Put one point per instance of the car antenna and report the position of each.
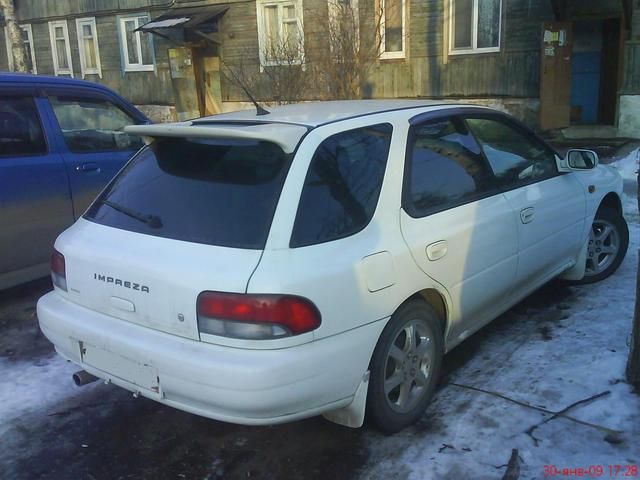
(260, 110)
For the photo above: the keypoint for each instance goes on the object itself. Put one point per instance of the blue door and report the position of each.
(94, 147)
(35, 202)
(586, 85)
(586, 69)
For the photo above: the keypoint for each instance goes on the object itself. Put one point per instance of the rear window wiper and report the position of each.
(152, 220)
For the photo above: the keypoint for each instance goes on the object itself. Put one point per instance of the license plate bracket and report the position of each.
(138, 374)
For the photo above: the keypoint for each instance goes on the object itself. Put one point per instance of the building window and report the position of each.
(392, 28)
(136, 47)
(88, 47)
(27, 40)
(476, 26)
(280, 33)
(60, 48)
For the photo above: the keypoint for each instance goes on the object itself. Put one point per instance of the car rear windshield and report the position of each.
(215, 191)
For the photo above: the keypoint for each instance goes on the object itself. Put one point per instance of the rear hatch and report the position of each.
(184, 216)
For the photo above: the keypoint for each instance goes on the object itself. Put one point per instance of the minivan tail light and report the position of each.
(58, 270)
(255, 317)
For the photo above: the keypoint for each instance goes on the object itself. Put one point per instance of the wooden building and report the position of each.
(550, 62)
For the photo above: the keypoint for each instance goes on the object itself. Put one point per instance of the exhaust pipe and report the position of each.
(83, 377)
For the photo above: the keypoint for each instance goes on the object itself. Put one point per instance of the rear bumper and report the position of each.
(251, 387)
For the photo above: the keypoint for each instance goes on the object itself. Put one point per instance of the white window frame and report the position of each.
(54, 51)
(384, 55)
(474, 32)
(124, 48)
(26, 28)
(81, 22)
(262, 28)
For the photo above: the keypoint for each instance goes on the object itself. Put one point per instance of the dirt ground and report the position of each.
(143, 439)
(104, 433)
(101, 432)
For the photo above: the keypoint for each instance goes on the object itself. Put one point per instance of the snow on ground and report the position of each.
(30, 391)
(628, 166)
(547, 356)
(30, 388)
(559, 346)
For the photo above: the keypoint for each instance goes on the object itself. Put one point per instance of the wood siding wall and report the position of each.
(425, 72)
(631, 67)
(138, 87)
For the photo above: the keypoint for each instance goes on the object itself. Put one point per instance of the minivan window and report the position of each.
(446, 168)
(93, 125)
(216, 192)
(20, 129)
(343, 184)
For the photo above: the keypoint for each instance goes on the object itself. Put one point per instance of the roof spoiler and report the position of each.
(286, 137)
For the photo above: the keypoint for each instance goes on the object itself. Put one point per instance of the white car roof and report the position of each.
(284, 125)
(317, 113)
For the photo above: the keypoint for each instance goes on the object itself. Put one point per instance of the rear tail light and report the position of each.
(255, 317)
(58, 270)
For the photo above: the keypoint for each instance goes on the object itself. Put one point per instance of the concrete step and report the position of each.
(576, 132)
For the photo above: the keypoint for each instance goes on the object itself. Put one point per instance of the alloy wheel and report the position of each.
(408, 366)
(604, 243)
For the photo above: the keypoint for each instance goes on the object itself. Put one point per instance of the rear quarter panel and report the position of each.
(356, 280)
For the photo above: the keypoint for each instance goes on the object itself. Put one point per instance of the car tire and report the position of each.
(405, 367)
(608, 243)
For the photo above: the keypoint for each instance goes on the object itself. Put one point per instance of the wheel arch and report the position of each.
(435, 300)
(611, 200)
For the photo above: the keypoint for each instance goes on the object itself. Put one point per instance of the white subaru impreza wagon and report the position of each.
(321, 258)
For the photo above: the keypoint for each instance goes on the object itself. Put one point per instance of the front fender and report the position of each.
(598, 183)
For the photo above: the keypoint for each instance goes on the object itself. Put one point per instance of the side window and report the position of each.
(446, 168)
(20, 129)
(516, 158)
(343, 184)
(93, 125)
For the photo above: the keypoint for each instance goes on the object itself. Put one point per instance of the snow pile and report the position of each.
(629, 165)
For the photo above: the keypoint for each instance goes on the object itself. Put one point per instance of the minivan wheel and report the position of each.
(608, 242)
(405, 367)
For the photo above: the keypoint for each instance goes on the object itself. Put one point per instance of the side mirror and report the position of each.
(582, 159)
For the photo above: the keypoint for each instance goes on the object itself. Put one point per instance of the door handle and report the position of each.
(88, 168)
(527, 214)
(437, 250)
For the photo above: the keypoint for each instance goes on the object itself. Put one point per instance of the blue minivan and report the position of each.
(61, 141)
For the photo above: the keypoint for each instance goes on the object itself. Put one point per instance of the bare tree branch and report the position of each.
(539, 409)
(281, 78)
(562, 412)
(344, 67)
